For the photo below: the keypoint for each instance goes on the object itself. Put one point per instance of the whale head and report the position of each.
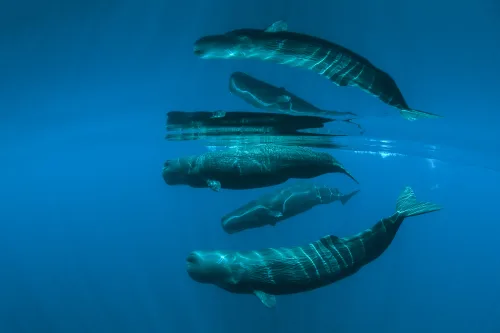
(213, 267)
(234, 44)
(248, 217)
(180, 172)
(174, 172)
(225, 270)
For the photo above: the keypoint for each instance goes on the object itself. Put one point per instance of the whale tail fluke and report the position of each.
(412, 114)
(407, 204)
(347, 197)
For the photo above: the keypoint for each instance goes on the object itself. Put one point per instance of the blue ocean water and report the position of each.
(93, 240)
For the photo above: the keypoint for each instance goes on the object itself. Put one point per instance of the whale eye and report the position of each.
(167, 163)
(192, 259)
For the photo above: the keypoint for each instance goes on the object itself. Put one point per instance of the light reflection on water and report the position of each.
(390, 148)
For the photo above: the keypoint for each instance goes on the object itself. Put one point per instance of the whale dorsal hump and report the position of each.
(266, 299)
(277, 27)
(330, 238)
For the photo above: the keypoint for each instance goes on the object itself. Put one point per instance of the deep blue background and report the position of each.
(92, 240)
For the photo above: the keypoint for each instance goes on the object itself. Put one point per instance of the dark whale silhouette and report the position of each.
(233, 119)
(280, 205)
(239, 128)
(332, 61)
(281, 271)
(255, 167)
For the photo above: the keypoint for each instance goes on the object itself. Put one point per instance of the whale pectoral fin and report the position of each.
(266, 299)
(283, 99)
(214, 185)
(277, 27)
(276, 214)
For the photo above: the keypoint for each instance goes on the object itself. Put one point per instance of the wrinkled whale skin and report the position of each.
(255, 167)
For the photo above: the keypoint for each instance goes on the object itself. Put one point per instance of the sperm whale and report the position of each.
(254, 167)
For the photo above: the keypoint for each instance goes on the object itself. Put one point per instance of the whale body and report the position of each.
(280, 205)
(254, 167)
(265, 96)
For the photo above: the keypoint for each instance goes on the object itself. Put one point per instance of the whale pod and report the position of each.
(332, 61)
(279, 271)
